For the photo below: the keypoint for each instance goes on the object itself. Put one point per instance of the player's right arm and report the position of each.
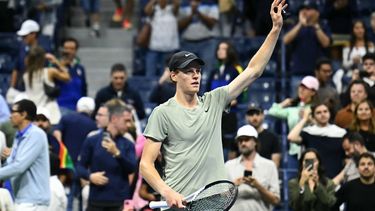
(150, 174)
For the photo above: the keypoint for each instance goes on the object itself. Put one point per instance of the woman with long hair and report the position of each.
(359, 45)
(228, 68)
(37, 74)
(311, 190)
(364, 123)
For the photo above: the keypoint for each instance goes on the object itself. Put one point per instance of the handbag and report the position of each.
(51, 91)
(143, 37)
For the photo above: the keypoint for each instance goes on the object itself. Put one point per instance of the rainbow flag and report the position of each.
(65, 159)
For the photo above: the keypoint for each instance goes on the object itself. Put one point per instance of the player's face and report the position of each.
(322, 115)
(366, 168)
(189, 79)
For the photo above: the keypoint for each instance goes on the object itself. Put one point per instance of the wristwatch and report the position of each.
(301, 190)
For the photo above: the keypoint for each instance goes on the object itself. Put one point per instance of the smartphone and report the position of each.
(309, 163)
(106, 136)
(248, 173)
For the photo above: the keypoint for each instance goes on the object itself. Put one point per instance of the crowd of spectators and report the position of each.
(86, 149)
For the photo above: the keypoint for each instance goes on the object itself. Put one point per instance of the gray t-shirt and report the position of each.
(192, 147)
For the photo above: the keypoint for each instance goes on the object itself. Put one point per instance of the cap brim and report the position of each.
(187, 62)
(22, 33)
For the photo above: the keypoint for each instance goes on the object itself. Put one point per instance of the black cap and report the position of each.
(308, 5)
(254, 109)
(182, 59)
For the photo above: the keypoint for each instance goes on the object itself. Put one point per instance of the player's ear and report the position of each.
(173, 76)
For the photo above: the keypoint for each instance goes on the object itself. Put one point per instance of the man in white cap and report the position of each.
(29, 32)
(73, 129)
(256, 177)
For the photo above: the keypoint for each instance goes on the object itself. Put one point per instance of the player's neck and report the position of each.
(187, 100)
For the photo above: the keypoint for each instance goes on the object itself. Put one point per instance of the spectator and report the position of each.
(358, 194)
(269, 146)
(59, 201)
(359, 46)
(29, 33)
(364, 123)
(311, 190)
(164, 39)
(91, 9)
(37, 76)
(28, 165)
(324, 137)
(228, 69)
(326, 92)
(73, 90)
(353, 145)
(308, 39)
(198, 24)
(164, 90)
(119, 88)
(72, 130)
(2, 147)
(368, 75)
(260, 190)
(107, 161)
(358, 92)
(291, 109)
(340, 14)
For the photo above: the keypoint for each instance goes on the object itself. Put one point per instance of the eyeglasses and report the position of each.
(14, 111)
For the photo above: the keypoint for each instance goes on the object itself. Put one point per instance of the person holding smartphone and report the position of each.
(311, 190)
(255, 176)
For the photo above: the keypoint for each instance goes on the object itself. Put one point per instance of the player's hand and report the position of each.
(276, 12)
(238, 181)
(98, 178)
(174, 199)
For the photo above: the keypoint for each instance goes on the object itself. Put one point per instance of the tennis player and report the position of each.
(187, 128)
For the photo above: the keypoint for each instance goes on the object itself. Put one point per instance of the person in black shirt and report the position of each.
(269, 142)
(358, 194)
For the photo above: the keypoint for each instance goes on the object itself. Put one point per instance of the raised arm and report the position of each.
(257, 64)
(151, 175)
(294, 134)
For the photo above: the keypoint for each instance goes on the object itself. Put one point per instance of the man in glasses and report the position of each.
(28, 165)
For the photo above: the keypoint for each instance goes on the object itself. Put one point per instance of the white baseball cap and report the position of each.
(86, 104)
(247, 130)
(28, 27)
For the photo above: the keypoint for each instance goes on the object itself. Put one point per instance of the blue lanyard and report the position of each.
(19, 137)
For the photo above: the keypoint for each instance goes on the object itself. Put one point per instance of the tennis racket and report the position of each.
(218, 195)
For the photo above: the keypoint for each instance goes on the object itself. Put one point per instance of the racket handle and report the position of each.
(158, 204)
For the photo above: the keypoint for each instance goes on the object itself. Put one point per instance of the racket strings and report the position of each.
(217, 197)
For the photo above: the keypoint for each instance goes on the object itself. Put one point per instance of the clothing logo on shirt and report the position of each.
(79, 72)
